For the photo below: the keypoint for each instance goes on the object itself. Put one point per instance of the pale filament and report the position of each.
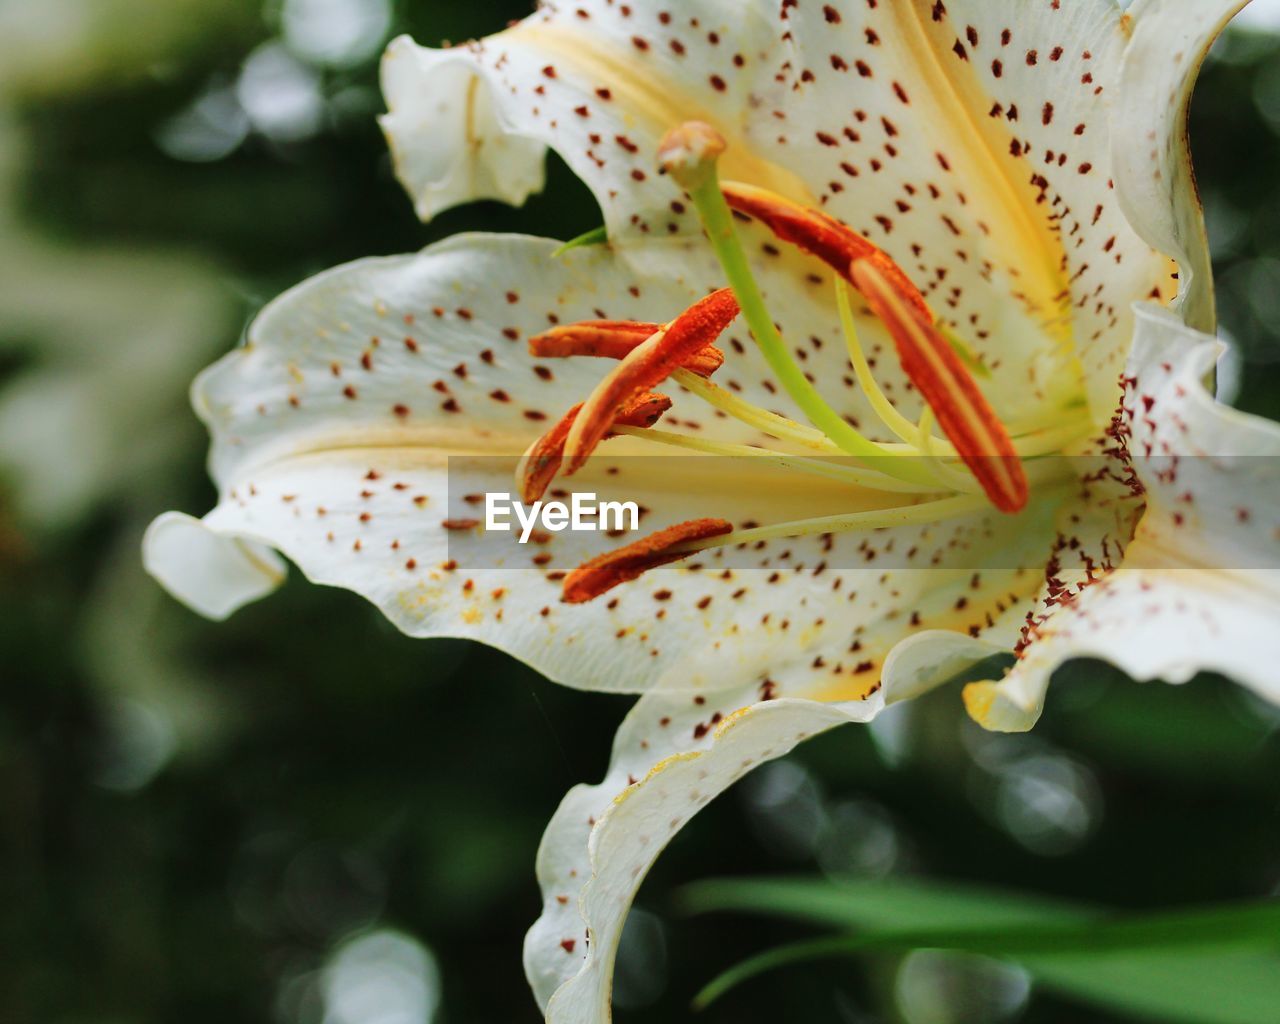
(956, 492)
(958, 479)
(855, 475)
(873, 519)
(960, 493)
(770, 423)
(917, 440)
(889, 415)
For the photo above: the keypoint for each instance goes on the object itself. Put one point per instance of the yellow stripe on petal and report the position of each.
(649, 102)
(994, 183)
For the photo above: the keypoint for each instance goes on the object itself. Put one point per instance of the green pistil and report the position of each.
(699, 178)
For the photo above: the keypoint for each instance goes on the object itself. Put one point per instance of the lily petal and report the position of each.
(1153, 174)
(671, 757)
(456, 143)
(1199, 586)
(213, 574)
(659, 786)
(984, 140)
(600, 83)
(978, 152)
(335, 426)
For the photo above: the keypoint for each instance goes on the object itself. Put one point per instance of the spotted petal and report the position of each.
(332, 432)
(600, 83)
(372, 406)
(672, 756)
(974, 146)
(979, 150)
(1153, 175)
(1199, 588)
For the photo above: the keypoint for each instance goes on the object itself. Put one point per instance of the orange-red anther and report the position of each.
(648, 365)
(643, 411)
(604, 572)
(822, 236)
(541, 461)
(705, 362)
(613, 339)
(946, 385)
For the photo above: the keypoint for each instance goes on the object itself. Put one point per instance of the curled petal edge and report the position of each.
(449, 140)
(1186, 599)
(212, 573)
(642, 816)
(1155, 182)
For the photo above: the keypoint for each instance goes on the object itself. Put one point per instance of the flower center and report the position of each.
(975, 465)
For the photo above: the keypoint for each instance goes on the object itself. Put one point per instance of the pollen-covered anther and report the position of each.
(644, 411)
(604, 572)
(646, 366)
(822, 236)
(542, 459)
(962, 412)
(613, 339)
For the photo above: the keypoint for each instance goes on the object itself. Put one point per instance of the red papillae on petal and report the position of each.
(541, 461)
(822, 236)
(648, 365)
(934, 368)
(613, 339)
(604, 572)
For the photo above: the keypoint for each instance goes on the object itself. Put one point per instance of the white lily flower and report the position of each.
(1016, 187)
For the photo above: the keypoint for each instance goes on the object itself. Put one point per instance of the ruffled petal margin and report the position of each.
(1153, 174)
(674, 754)
(1199, 587)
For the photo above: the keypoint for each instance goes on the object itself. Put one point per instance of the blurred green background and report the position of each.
(302, 817)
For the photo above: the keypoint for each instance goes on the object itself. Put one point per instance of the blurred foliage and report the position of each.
(199, 818)
(1204, 965)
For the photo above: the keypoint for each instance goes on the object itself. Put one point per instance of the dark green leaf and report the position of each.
(1197, 966)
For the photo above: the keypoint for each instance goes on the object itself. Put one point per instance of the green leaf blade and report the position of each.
(1204, 965)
